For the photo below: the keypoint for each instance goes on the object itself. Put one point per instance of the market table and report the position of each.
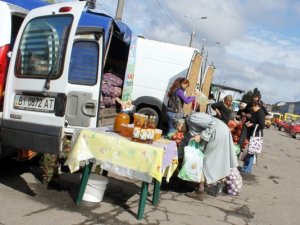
(114, 153)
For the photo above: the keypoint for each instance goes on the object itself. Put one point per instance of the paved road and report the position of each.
(269, 197)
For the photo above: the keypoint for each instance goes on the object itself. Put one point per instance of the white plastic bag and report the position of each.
(192, 163)
(202, 99)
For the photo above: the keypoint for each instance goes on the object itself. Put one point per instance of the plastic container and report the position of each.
(157, 134)
(121, 118)
(130, 128)
(124, 130)
(127, 130)
(95, 188)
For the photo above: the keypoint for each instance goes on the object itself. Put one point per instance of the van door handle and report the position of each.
(89, 108)
(90, 105)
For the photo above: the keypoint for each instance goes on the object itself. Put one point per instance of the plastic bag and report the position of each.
(234, 182)
(192, 163)
(237, 149)
(202, 99)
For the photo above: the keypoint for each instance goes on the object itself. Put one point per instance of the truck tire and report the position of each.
(297, 136)
(150, 112)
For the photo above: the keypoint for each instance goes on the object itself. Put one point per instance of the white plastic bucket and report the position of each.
(95, 188)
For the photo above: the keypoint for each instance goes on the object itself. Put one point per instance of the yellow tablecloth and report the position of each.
(112, 148)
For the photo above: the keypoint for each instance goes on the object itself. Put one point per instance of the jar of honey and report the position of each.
(121, 118)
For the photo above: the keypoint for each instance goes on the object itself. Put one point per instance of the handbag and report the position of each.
(255, 143)
(192, 163)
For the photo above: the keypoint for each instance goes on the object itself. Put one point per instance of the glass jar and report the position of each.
(121, 118)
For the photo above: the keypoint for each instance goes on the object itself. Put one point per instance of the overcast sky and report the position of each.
(260, 39)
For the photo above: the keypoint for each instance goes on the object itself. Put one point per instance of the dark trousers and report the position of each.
(243, 137)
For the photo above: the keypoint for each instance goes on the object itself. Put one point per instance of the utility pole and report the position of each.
(192, 38)
(119, 11)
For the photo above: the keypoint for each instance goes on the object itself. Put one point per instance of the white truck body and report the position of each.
(158, 64)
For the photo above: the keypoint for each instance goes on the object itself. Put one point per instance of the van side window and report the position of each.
(42, 47)
(84, 63)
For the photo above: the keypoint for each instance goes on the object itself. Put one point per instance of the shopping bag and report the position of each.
(202, 99)
(192, 163)
(255, 143)
(234, 182)
(243, 155)
(237, 149)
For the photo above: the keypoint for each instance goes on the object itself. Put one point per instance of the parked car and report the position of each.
(284, 125)
(276, 118)
(295, 131)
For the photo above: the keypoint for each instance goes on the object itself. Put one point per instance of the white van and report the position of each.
(65, 65)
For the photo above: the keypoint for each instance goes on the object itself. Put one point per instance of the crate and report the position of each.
(214, 189)
(107, 116)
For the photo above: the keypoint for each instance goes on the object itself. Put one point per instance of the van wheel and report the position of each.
(150, 112)
(297, 136)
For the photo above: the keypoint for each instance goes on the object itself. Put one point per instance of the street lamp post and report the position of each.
(193, 32)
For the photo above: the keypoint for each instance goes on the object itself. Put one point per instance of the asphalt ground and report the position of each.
(269, 197)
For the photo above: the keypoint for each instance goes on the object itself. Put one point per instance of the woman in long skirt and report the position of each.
(219, 153)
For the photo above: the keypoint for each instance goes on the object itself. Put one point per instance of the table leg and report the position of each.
(156, 192)
(143, 199)
(84, 179)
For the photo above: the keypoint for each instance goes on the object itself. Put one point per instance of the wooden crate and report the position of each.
(107, 116)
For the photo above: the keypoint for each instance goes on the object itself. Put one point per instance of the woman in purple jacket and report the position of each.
(176, 100)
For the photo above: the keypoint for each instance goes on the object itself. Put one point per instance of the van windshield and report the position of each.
(42, 47)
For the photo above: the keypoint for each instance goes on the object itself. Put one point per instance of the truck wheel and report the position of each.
(150, 112)
(297, 136)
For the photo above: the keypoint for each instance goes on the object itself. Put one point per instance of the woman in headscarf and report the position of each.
(223, 109)
(219, 151)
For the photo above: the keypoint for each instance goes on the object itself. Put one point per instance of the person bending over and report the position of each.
(219, 153)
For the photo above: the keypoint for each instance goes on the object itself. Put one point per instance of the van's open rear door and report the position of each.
(5, 24)
(37, 85)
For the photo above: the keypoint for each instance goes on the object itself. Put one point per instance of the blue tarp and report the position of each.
(101, 20)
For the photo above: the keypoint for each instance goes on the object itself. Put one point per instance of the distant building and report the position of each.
(288, 107)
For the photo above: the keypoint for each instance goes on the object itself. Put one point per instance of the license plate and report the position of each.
(34, 103)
